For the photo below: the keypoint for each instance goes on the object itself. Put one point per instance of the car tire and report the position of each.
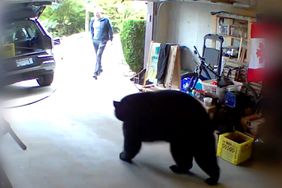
(45, 80)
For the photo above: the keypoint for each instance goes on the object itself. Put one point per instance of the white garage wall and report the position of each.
(162, 23)
(187, 23)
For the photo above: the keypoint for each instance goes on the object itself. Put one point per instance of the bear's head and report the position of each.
(128, 108)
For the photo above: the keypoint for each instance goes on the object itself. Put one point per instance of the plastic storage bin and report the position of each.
(209, 86)
(235, 147)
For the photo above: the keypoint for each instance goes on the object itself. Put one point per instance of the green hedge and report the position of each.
(133, 42)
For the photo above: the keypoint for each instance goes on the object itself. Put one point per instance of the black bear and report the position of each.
(174, 117)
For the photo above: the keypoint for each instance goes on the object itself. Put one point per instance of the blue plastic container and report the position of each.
(230, 100)
(185, 84)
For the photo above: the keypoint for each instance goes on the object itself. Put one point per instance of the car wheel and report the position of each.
(45, 80)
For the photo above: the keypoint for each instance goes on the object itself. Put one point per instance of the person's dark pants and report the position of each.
(99, 49)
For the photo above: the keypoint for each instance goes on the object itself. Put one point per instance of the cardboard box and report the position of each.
(8, 50)
(252, 124)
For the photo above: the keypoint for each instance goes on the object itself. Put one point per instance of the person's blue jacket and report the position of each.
(104, 32)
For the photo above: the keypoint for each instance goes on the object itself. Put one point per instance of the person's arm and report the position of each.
(91, 28)
(110, 30)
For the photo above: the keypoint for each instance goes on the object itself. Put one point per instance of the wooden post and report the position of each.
(240, 49)
(214, 28)
(249, 39)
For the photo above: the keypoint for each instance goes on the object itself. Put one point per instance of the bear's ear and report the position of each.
(116, 104)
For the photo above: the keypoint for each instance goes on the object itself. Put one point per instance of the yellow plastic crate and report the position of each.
(235, 147)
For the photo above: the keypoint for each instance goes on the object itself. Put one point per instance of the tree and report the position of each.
(118, 12)
(64, 18)
(67, 17)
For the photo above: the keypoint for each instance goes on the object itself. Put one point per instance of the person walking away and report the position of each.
(101, 32)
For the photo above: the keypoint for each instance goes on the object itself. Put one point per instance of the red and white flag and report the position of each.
(256, 53)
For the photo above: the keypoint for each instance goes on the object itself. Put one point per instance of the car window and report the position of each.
(21, 37)
(20, 31)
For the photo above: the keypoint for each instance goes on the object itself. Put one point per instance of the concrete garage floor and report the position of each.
(74, 139)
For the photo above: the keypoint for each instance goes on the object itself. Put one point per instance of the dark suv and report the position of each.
(26, 47)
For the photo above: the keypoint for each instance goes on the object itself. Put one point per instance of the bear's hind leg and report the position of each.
(132, 146)
(182, 157)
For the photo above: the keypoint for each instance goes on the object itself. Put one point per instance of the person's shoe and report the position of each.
(100, 71)
(95, 76)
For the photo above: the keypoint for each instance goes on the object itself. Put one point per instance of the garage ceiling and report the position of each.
(237, 3)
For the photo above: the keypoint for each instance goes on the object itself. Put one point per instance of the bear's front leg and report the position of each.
(125, 157)
(131, 146)
(182, 156)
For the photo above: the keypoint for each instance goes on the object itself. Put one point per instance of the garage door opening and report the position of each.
(68, 23)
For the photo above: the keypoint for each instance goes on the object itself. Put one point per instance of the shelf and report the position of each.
(234, 16)
(230, 36)
(235, 29)
(233, 62)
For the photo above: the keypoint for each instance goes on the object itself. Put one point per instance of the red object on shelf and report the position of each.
(257, 57)
(214, 83)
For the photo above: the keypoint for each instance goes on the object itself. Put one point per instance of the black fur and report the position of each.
(173, 117)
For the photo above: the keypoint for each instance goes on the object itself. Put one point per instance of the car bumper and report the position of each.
(46, 67)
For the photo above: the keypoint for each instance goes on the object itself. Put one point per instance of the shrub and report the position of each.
(64, 18)
(133, 41)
